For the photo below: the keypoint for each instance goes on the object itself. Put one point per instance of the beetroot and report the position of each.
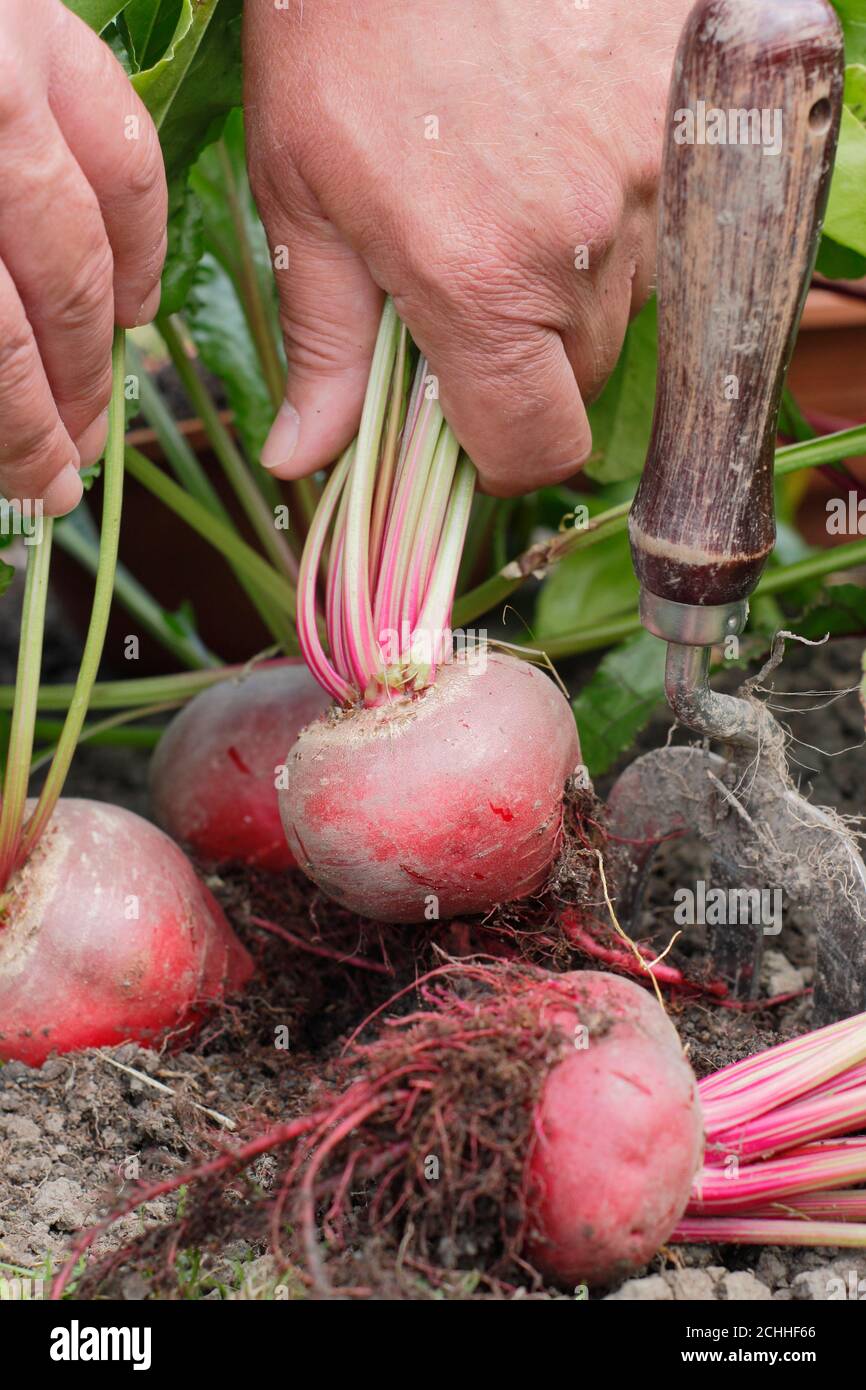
(106, 935)
(514, 1122)
(445, 803)
(109, 936)
(436, 785)
(620, 1134)
(510, 1121)
(213, 775)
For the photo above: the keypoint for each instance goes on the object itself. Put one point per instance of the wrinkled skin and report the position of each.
(433, 807)
(620, 1135)
(109, 937)
(82, 242)
(213, 775)
(547, 123)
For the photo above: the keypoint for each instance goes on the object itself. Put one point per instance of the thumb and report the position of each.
(329, 314)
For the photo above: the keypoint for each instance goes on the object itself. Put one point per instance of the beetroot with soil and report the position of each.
(214, 773)
(620, 1135)
(561, 1112)
(435, 787)
(109, 936)
(443, 804)
(450, 1141)
(106, 934)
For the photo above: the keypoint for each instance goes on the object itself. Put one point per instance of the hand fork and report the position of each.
(750, 134)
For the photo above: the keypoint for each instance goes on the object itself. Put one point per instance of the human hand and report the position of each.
(82, 242)
(492, 167)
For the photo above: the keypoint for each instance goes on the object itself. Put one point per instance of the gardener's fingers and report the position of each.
(53, 243)
(115, 144)
(509, 393)
(595, 326)
(329, 312)
(37, 456)
(487, 312)
(82, 223)
(521, 336)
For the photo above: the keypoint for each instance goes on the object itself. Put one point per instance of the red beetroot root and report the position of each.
(473, 1134)
(109, 937)
(447, 803)
(620, 1134)
(212, 777)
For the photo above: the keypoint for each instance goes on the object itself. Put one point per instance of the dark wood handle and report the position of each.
(738, 230)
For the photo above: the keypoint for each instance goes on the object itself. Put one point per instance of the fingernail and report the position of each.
(91, 444)
(283, 437)
(63, 492)
(147, 312)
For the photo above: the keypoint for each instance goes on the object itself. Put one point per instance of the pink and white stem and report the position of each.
(785, 1162)
(389, 534)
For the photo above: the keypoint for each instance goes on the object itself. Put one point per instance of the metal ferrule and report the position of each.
(695, 704)
(692, 624)
(690, 631)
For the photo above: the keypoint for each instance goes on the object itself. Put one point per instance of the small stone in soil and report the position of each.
(652, 1289)
(739, 1285)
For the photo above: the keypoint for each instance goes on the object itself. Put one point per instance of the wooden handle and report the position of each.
(751, 128)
